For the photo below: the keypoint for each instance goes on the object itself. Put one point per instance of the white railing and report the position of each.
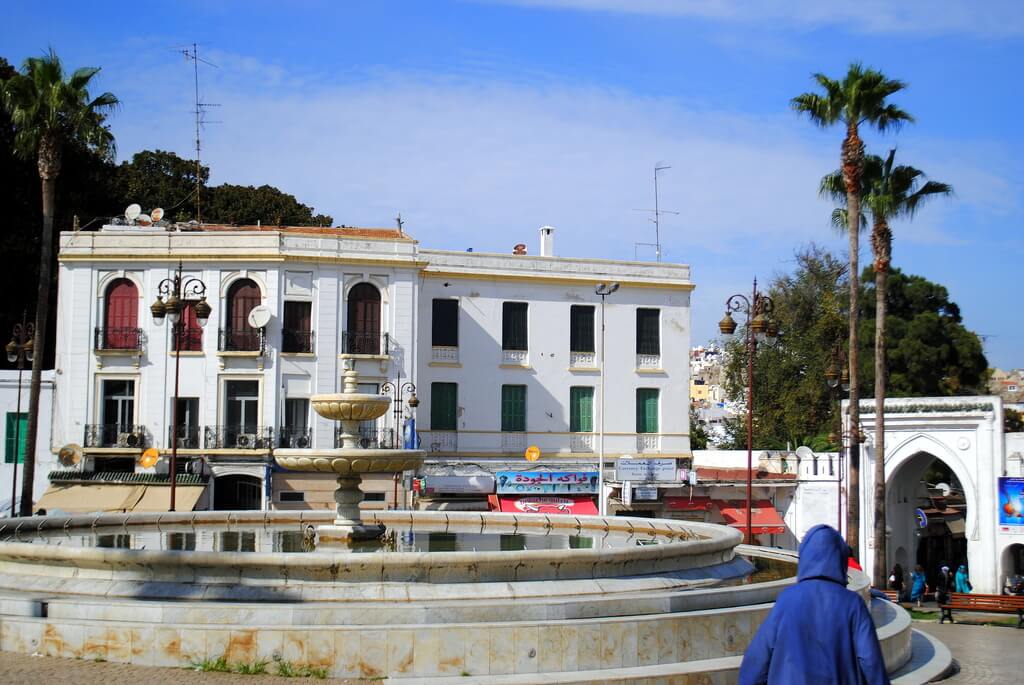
(442, 441)
(648, 361)
(581, 442)
(587, 360)
(513, 442)
(444, 354)
(648, 442)
(517, 357)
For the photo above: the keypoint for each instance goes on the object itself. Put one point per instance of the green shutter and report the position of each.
(648, 335)
(513, 408)
(16, 423)
(443, 406)
(513, 326)
(581, 328)
(581, 410)
(646, 410)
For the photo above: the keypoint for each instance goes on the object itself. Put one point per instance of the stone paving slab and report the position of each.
(22, 668)
(986, 654)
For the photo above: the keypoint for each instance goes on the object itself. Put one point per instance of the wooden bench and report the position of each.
(993, 604)
(893, 596)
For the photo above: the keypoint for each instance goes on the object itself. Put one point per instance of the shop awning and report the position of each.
(453, 505)
(956, 527)
(158, 498)
(688, 503)
(765, 520)
(544, 504)
(83, 499)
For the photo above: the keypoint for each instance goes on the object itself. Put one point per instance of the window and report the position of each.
(445, 323)
(646, 410)
(191, 332)
(296, 413)
(118, 409)
(15, 429)
(297, 329)
(121, 318)
(243, 295)
(241, 410)
(443, 406)
(363, 334)
(513, 326)
(648, 335)
(513, 408)
(188, 422)
(291, 496)
(375, 496)
(581, 409)
(581, 328)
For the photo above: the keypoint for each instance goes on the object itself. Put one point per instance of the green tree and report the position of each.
(155, 178)
(247, 205)
(49, 111)
(698, 431)
(1013, 421)
(859, 98)
(889, 192)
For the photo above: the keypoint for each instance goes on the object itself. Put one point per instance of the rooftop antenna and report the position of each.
(192, 55)
(657, 212)
(398, 220)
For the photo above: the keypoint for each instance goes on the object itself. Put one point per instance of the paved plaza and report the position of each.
(986, 654)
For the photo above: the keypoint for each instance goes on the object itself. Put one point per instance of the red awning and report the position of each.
(687, 503)
(545, 504)
(764, 519)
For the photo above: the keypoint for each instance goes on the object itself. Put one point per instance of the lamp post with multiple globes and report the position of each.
(19, 351)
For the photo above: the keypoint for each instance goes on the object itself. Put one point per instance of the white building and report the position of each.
(14, 432)
(503, 352)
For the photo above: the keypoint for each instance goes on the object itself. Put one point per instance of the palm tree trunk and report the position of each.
(853, 167)
(48, 163)
(882, 244)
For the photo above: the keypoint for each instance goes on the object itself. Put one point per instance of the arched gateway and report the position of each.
(961, 437)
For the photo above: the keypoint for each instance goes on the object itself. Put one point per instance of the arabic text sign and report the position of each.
(646, 470)
(549, 482)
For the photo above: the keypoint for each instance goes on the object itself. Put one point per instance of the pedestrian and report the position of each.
(851, 561)
(896, 581)
(963, 582)
(818, 631)
(917, 585)
(943, 586)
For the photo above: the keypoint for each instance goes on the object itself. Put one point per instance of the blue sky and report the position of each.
(482, 120)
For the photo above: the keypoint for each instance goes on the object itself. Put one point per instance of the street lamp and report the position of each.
(760, 329)
(174, 295)
(839, 383)
(603, 290)
(19, 351)
(397, 391)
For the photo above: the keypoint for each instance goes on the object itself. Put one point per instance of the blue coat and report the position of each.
(818, 632)
(917, 590)
(963, 584)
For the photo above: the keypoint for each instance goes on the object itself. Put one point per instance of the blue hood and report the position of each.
(823, 554)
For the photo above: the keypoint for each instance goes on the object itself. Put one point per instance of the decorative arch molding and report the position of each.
(108, 278)
(381, 284)
(255, 471)
(229, 278)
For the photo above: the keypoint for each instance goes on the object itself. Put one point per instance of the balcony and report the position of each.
(581, 442)
(444, 354)
(295, 438)
(513, 442)
(582, 360)
(191, 340)
(648, 362)
(357, 342)
(114, 435)
(117, 339)
(371, 438)
(298, 341)
(244, 340)
(515, 357)
(442, 441)
(188, 437)
(648, 442)
(238, 437)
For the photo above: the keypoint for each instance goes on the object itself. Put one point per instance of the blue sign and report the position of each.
(546, 482)
(1011, 502)
(922, 518)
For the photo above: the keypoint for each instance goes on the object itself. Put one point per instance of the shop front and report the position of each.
(546, 492)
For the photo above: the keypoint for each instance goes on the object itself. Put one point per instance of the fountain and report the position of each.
(349, 461)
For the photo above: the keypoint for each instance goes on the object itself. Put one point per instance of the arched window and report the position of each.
(363, 334)
(121, 316)
(243, 295)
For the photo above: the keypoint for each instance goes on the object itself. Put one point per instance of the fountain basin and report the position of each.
(350, 406)
(349, 461)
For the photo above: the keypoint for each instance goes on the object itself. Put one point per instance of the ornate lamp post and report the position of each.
(397, 390)
(839, 382)
(760, 328)
(173, 296)
(19, 351)
(603, 290)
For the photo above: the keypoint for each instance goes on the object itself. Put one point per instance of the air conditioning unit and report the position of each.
(299, 441)
(366, 443)
(245, 440)
(128, 440)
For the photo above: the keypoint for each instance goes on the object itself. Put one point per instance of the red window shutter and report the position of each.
(122, 316)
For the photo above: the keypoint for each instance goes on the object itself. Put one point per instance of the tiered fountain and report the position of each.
(349, 461)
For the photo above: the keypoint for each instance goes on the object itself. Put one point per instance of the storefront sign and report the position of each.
(552, 482)
(646, 470)
(1011, 505)
(646, 492)
(549, 505)
(459, 485)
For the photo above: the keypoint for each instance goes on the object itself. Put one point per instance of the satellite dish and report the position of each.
(804, 452)
(259, 316)
(157, 214)
(149, 458)
(944, 488)
(70, 455)
(132, 212)
(144, 220)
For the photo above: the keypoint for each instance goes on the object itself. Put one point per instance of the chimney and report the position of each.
(547, 241)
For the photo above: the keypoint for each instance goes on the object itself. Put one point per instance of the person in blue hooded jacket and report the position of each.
(818, 631)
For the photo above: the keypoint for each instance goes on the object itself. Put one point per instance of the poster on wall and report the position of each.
(1011, 505)
(547, 482)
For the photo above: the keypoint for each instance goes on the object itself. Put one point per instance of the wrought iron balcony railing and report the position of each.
(371, 438)
(191, 339)
(297, 341)
(244, 340)
(114, 435)
(117, 339)
(295, 438)
(188, 437)
(356, 342)
(238, 437)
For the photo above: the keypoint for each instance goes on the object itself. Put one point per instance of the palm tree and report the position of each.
(50, 111)
(859, 98)
(889, 193)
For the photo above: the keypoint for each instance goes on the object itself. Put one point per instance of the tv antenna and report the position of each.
(192, 55)
(657, 212)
